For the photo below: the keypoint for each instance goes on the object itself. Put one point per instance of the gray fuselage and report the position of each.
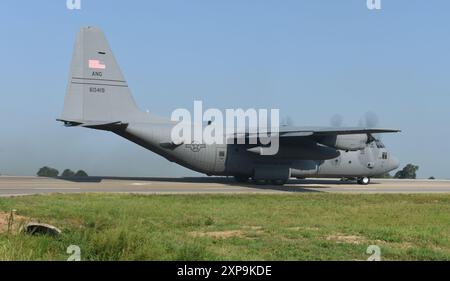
(235, 159)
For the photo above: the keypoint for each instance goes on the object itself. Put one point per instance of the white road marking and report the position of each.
(56, 188)
(40, 188)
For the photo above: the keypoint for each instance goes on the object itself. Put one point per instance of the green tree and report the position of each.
(67, 173)
(47, 172)
(81, 174)
(408, 172)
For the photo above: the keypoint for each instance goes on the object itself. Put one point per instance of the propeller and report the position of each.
(336, 120)
(287, 121)
(370, 120)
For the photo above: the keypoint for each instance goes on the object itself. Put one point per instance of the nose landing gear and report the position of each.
(363, 180)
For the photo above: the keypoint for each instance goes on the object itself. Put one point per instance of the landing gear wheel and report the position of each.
(241, 178)
(278, 182)
(261, 182)
(364, 180)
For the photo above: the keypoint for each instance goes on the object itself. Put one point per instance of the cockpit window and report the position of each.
(379, 144)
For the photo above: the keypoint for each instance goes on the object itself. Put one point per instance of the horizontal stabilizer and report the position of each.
(99, 125)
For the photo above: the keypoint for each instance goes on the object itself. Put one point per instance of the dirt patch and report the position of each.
(298, 228)
(406, 245)
(349, 239)
(219, 234)
(356, 239)
(247, 232)
(14, 224)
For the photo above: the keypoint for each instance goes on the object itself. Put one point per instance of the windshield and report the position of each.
(379, 143)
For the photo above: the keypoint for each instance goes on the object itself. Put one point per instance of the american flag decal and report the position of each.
(96, 64)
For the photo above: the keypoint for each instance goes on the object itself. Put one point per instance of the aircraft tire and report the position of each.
(364, 180)
(241, 179)
(278, 182)
(261, 182)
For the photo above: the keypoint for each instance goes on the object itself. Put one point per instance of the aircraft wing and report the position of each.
(292, 132)
(334, 131)
(316, 139)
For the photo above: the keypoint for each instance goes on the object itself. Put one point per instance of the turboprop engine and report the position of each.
(345, 142)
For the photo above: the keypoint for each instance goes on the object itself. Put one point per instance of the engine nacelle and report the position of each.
(346, 142)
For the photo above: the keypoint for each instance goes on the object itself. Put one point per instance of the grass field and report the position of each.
(232, 227)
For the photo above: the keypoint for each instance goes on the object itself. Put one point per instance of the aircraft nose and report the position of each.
(394, 163)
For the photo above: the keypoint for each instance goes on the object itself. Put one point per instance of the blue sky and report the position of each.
(311, 59)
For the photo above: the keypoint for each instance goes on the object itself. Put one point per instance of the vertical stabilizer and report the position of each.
(97, 90)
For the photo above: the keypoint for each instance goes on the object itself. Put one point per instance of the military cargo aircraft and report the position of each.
(98, 97)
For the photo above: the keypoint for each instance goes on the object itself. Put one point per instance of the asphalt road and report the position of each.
(13, 186)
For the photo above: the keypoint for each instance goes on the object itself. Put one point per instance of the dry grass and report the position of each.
(11, 223)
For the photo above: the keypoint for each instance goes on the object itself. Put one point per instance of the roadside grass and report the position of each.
(232, 227)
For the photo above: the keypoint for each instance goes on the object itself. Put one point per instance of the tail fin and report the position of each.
(97, 90)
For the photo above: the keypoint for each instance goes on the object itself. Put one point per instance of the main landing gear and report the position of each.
(271, 182)
(363, 180)
(241, 178)
(245, 179)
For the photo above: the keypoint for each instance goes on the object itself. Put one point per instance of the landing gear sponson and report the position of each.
(245, 179)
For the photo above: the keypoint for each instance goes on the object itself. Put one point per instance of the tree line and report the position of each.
(50, 172)
(408, 172)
